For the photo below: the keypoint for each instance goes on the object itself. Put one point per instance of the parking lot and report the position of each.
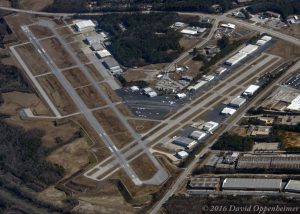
(294, 82)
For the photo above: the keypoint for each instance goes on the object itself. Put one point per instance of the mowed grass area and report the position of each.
(290, 139)
(57, 94)
(33, 59)
(142, 126)
(90, 97)
(113, 127)
(57, 52)
(76, 77)
(143, 167)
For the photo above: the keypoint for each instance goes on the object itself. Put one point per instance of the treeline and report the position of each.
(78, 6)
(22, 155)
(140, 39)
(233, 142)
(284, 7)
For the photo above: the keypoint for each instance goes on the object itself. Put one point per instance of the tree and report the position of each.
(234, 142)
(223, 42)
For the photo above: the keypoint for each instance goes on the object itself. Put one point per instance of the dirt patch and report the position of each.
(72, 157)
(187, 43)
(90, 97)
(94, 72)
(32, 59)
(142, 126)
(285, 50)
(57, 52)
(110, 93)
(76, 77)
(143, 167)
(134, 75)
(57, 94)
(290, 139)
(53, 195)
(113, 127)
(40, 31)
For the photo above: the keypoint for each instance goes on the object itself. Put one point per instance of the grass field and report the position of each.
(76, 77)
(90, 97)
(143, 167)
(40, 31)
(32, 59)
(57, 52)
(142, 126)
(57, 94)
(113, 126)
(94, 72)
(110, 93)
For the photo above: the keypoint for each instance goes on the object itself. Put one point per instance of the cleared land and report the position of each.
(142, 126)
(40, 31)
(77, 49)
(290, 139)
(66, 33)
(57, 94)
(94, 72)
(32, 59)
(143, 167)
(90, 97)
(113, 127)
(285, 50)
(110, 93)
(57, 52)
(124, 110)
(76, 77)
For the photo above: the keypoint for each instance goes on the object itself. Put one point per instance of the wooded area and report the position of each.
(233, 143)
(284, 7)
(140, 39)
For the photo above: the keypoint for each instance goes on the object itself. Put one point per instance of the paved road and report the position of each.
(237, 116)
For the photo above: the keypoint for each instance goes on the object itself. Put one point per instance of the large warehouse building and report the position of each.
(249, 49)
(293, 186)
(252, 184)
(235, 59)
(85, 25)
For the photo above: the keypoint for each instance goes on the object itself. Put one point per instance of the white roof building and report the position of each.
(293, 186)
(84, 25)
(197, 135)
(235, 59)
(147, 90)
(230, 26)
(295, 104)
(210, 126)
(250, 90)
(228, 111)
(185, 142)
(249, 49)
(261, 42)
(103, 53)
(266, 38)
(237, 102)
(178, 24)
(134, 88)
(208, 77)
(152, 94)
(182, 154)
(221, 70)
(197, 86)
(180, 95)
(189, 32)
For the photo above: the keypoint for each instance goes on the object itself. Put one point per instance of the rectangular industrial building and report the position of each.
(103, 53)
(237, 102)
(252, 184)
(185, 142)
(197, 86)
(93, 39)
(293, 186)
(228, 111)
(197, 135)
(249, 49)
(97, 47)
(204, 183)
(235, 59)
(85, 25)
(111, 64)
(210, 126)
(189, 32)
(250, 90)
